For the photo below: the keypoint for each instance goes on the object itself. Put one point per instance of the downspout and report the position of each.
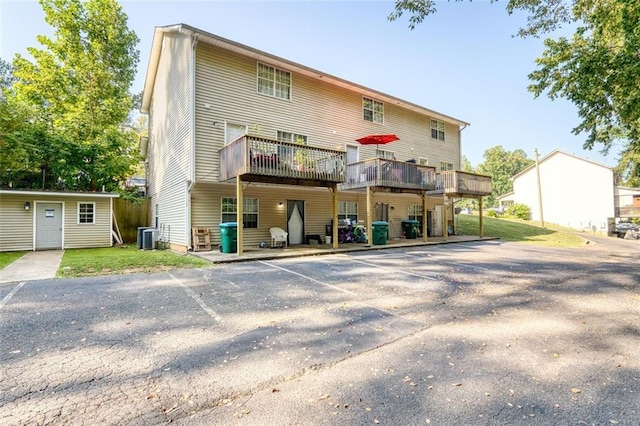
(192, 148)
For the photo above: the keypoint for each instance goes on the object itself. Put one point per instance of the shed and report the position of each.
(50, 220)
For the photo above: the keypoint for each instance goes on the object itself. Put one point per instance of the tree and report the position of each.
(502, 165)
(77, 95)
(598, 69)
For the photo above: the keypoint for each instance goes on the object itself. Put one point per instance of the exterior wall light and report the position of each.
(27, 205)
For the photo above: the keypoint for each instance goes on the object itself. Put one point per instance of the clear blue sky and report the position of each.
(462, 61)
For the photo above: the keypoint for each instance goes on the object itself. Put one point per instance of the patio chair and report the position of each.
(278, 236)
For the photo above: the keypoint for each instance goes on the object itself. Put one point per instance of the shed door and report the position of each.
(48, 226)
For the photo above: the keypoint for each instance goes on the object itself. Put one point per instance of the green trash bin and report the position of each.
(228, 237)
(410, 228)
(379, 232)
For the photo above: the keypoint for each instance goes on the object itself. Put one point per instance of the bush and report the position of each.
(491, 213)
(520, 211)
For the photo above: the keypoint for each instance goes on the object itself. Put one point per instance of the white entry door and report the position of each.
(48, 226)
(295, 221)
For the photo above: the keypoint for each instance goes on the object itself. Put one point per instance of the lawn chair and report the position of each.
(278, 236)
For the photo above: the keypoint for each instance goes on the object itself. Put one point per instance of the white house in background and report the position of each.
(576, 192)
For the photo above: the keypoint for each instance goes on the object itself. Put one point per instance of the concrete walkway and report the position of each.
(35, 265)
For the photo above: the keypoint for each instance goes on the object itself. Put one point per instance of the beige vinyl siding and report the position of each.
(170, 136)
(84, 235)
(318, 208)
(16, 224)
(329, 115)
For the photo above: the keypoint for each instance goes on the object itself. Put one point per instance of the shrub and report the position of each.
(491, 213)
(520, 211)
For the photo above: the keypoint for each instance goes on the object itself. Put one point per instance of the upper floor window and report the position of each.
(445, 166)
(372, 110)
(274, 82)
(423, 161)
(437, 129)
(86, 212)
(229, 208)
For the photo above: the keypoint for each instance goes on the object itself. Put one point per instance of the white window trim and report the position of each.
(374, 101)
(273, 94)
(437, 129)
(257, 212)
(448, 164)
(93, 217)
(426, 161)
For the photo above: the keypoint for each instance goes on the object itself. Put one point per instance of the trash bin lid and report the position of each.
(412, 221)
(228, 225)
(380, 222)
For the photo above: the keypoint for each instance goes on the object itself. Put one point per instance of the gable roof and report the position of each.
(558, 152)
(212, 39)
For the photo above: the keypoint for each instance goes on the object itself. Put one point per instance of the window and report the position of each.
(437, 130)
(372, 110)
(445, 166)
(156, 216)
(381, 153)
(229, 208)
(422, 161)
(86, 212)
(347, 210)
(291, 137)
(415, 212)
(274, 82)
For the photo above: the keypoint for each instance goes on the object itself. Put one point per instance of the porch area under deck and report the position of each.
(255, 159)
(392, 176)
(457, 184)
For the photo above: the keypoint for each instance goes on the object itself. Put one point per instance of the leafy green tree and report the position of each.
(598, 69)
(466, 165)
(502, 165)
(76, 92)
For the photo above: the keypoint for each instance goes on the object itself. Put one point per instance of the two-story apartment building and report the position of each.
(234, 131)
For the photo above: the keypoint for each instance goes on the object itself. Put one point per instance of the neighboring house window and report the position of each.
(381, 153)
(437, 130)
(347, 210)
(274, 82)
(372, 110)
(445, 166)
(250, 211)
(86, 212)
(415, 212)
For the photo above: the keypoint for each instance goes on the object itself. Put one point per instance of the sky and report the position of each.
(462, 61)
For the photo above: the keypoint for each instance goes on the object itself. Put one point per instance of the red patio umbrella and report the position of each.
(377, 139)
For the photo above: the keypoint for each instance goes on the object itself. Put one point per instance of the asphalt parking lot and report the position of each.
(487, 333)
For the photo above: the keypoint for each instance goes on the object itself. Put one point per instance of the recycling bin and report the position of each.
(410, 228)
(379, 231)
(228, 237)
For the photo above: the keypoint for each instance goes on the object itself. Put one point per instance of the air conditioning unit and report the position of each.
(149, 238)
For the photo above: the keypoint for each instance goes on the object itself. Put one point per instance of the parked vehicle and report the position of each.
(623, 227)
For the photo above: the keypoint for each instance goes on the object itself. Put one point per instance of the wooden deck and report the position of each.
(258, 159)
(391, 175)
(456, 184)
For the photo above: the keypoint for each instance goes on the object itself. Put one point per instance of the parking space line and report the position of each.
(426, 277)
(11, 293)
(195, 297)
(308, 278)
(466, 265)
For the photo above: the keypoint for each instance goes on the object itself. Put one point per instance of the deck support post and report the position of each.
(240, 214)
(334, 210)
(480, 224)
(369, 216)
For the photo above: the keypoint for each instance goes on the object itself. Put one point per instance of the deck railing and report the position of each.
(251, 155)
(462, 183)
(382, 172)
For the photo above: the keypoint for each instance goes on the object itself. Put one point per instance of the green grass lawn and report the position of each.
(123, 260)
(519, 230)
(6, 257)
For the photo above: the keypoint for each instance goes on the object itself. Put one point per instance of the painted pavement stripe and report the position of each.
(309, 278)
(195, 297)
(11, 293)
